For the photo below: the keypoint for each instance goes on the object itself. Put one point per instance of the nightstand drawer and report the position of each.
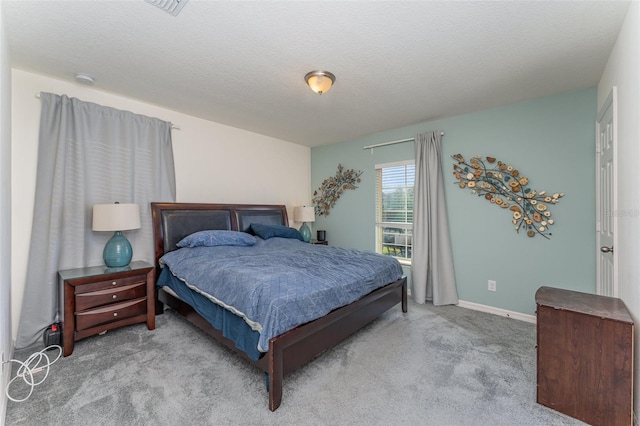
(110, 295)
(103, 285)
(110, 313)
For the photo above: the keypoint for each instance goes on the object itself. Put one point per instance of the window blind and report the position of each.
(394, 208)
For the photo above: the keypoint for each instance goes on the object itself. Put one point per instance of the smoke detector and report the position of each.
(170, 6)
(84, 78)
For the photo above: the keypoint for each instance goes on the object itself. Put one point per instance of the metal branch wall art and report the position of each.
(504, 186)
(325, 197)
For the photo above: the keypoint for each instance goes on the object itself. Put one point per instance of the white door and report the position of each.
(606, 217)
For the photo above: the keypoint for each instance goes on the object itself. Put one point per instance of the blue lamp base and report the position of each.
(305, 232)
(117, 252)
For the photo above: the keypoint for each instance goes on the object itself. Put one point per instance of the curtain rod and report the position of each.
(173, 126)
(393, 142)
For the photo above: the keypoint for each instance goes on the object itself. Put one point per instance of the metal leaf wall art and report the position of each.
(504, 186)
(325, 197)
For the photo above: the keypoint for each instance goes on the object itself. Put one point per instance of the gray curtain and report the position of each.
(88, 154)
(432, 274)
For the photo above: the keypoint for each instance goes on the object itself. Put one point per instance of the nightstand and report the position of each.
(322, 243)
(96, 299)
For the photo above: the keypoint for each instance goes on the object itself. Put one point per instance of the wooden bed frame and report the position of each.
(290, 350)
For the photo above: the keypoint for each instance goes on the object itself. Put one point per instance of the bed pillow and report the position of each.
(214, 238)
(269, 231)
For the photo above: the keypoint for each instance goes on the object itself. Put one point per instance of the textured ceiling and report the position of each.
(242, 63)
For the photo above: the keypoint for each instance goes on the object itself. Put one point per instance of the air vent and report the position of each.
(170, 6)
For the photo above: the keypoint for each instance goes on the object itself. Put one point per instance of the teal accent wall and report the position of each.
(550, 140)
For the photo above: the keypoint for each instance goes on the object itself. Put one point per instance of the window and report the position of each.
(394, 208)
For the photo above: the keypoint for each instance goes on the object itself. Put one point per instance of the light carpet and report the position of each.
(431, 366)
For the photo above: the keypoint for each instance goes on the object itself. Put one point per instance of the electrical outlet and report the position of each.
(491, 285)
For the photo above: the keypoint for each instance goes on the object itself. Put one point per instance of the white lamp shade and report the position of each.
(116, 217)
(304, 214)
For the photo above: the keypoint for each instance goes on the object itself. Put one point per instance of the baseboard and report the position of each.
(497, 311)
(493, 310)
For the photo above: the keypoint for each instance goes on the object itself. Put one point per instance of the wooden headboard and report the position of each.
(174, 221)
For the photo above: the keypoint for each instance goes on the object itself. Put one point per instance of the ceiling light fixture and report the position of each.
(84, 78)
(320, 81)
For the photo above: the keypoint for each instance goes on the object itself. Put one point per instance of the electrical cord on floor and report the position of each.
(30, 367)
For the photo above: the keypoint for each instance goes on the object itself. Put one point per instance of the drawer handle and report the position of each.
(114, 297)
(114, 283)
(115, 314)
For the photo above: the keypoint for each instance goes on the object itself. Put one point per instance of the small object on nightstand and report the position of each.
(116, 217)
(96, 299)
(322, 235)
(321, 243)
(304, 214)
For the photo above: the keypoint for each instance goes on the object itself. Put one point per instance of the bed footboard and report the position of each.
(294, 348)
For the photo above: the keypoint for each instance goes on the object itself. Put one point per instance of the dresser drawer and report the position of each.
(103, 285)
(110, 313)
(110, 295)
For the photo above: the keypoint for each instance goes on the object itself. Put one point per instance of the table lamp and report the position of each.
(116, 217)
(304, 214)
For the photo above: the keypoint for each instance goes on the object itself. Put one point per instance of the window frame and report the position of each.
(379, 225)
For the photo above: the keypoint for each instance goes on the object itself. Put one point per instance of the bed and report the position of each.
(284, 352)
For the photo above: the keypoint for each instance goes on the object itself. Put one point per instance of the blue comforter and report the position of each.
(280, 283)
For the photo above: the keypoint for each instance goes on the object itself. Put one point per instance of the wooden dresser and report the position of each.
(585, 356)
(97, 299)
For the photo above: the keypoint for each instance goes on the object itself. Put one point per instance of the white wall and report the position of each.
(214, 163)
(623, 71)
(5, 213)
